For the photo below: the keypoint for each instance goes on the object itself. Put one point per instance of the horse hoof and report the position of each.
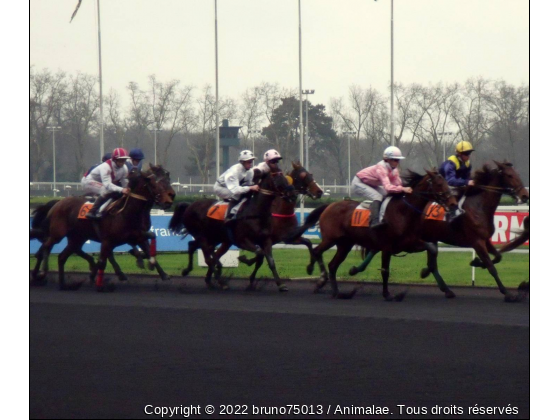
(353, 271)
(388, 298)
(251, 288)
(509, 298)
(310, 269)
(122, 277)
(477, 262)
(185, 272)
(399, 297)
(523, 286)
(210, 286)
(140, 264)
(111, 287)
(166, 277)
(425, 272)
(151, 267)
(282, 288)
(449, 294)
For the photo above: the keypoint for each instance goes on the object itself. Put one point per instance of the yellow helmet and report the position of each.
(463, 147)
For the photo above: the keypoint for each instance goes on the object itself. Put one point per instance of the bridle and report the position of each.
(277, 192)
(511, 191)
(303, 189)
(439, 197)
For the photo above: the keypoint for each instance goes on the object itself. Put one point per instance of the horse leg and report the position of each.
(385, 264)
(247, 261)
(477, 262)
(359, 269)
(309, 245)
(62, 258)
(91, 261)
(259, 259)
(432, 253)
(121, 276)
(147, 251)
(272, 264)
(136, 253)
(34, 277)
(318, 256)
(218, 265)
(106, 250)
(480, 248)
(209, 258)
(193, 246)
(46, 251)
(343, 248)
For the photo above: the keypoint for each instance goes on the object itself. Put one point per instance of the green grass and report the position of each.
(291, 263)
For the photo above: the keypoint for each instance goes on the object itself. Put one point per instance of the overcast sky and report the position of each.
(344, 42)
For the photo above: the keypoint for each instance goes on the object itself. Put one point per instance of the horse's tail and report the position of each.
(40, 220)
(310, 222)
(176, 223)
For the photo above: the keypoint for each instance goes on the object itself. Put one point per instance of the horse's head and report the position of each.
(275, 183)
(163, 191)
(510, 180)
(303, 181)
(438, 186)
(432, 186)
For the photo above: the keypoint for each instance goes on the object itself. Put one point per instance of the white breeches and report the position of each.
(366, 191)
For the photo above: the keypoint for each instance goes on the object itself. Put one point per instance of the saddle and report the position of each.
(361, 214)
(218, 211)
(90, 200)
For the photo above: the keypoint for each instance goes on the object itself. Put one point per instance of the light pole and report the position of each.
(392, 83)
(307, 93)
(443, 134)
(54, 129)
(300, 106)
(155, 130)
(252, 136)
(347, 134)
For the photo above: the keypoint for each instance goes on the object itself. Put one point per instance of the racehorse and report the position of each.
(39, 230)
(126, 222)
(251, 230)
(475, 228)
(284, 219)
(400, 231)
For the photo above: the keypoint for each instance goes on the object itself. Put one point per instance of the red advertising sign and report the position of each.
(508, 226)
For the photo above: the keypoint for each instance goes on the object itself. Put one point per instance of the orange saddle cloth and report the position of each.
(360, 217)
(217, 211)
(84, 210)
(434, 211)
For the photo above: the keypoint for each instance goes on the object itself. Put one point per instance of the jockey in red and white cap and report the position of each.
(375, 182)
(104, 178)
(271, 156)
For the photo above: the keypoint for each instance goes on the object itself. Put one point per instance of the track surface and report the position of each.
(109, 355)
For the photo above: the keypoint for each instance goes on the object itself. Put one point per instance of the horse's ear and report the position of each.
(294, 165)
(498, 164)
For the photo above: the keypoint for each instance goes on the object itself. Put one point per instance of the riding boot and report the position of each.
(453, 214)
(374, 208)
(229, 216)
(93, 213)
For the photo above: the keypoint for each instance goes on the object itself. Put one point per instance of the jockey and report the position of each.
(103, 179)
(271, 156)
(136, 157)
(457, 172)
(236, 181)
(375, 182)
(457, 168)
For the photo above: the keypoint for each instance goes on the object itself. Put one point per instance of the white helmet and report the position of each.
(392, 152)
(246, 155)
(271, 154)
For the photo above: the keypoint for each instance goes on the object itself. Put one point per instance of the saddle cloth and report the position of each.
(435, 211)
(218, 211)
(361, 214)
(89, 204)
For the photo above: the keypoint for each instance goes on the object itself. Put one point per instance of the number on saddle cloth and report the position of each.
(361, 214)
(218, 211)
(84, 210)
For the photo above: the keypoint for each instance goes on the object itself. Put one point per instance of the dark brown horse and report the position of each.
(475, 228)
(127, 222)
(284, 219)
(251, 230)
(399, 233)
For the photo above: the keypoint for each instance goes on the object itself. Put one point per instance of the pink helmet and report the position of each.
(271, 154)
(119, 153)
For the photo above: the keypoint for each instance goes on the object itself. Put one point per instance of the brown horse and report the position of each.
(251, 230)
(127, 222)
(284, 219)
(475, 228)
(39, 231)
(399, 233)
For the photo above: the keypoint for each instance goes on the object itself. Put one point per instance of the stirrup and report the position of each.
(93, 216)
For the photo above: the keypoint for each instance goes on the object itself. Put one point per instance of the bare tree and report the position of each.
(79, 113)
(115, 124)
(433, 108)
(138, 118)
(46, 96)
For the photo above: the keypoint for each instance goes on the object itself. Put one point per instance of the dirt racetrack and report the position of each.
(122, 354)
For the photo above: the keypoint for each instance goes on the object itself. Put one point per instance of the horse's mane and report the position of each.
(412, 179)
(484, 176)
